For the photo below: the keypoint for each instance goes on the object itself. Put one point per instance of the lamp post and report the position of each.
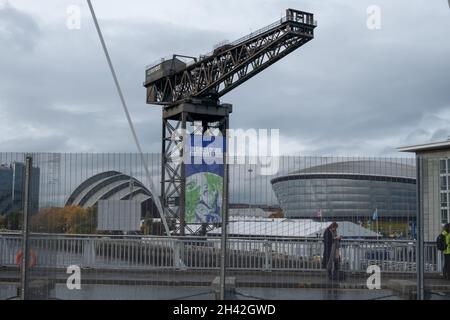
(250, 183)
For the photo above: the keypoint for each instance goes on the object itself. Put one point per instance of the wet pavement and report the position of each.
(120, 292)
(164, 284)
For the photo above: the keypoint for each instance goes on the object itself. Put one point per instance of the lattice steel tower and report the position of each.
(189, 89)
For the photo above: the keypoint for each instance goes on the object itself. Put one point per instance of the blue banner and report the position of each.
(204, 171)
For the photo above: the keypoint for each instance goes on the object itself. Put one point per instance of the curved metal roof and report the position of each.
(399, 171)
(109, 185)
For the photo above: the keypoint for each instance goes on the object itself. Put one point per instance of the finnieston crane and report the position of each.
(189, 93)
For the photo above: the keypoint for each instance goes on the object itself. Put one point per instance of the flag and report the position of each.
(375, 215)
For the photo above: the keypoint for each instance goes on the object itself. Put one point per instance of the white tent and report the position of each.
(304, 228)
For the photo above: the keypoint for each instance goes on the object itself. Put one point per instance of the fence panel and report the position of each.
(276, 229)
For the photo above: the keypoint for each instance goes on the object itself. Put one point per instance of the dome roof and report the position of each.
(109, 185)
(394, 171)
(364, 167)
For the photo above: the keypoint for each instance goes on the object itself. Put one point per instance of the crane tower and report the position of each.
(189, 89)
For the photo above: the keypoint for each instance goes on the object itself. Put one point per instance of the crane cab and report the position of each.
(166, 67)
(157, 71)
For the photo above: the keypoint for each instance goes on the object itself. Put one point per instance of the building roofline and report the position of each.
(346, 176)
(440, 145)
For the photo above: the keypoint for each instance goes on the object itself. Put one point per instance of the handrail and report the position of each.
(157, 62)
(196, 238)
(194, 254)
(259, 31)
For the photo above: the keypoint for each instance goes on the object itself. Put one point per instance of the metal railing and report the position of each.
(259, 31)
(138, 252)
(157, 62)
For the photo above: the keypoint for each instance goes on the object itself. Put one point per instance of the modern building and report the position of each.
(350, 190)
(11, 188)
(433, 161)
(113, 185)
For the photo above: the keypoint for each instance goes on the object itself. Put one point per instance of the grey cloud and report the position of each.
(73, 94)
(441, 134)
(350, 90)
(17, 29)
(351, 86)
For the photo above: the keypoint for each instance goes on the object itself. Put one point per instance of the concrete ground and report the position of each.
(315, 282)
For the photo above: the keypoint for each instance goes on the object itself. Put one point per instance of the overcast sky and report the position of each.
(350, 91)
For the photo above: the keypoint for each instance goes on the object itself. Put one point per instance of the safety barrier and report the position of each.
(279, 254)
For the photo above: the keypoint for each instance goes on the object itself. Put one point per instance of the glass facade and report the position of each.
(351, 190)
(11, 188)
(444, 185)
(6, 176)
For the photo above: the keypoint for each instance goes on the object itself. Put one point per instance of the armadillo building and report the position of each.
(112, 185)
(349, 190)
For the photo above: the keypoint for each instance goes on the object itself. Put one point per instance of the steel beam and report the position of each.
(219, 72)
(173, 176)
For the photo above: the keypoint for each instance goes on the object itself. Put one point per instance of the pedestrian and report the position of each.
(446, 251)
(331, 252)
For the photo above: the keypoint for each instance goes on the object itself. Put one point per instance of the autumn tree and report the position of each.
(3, 222)
(80, 220)
(70, 220)
(49, 220)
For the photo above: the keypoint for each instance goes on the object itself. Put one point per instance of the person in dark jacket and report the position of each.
(330, 260)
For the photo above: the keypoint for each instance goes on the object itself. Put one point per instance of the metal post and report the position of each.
(250, 183)
(378, 231)
(163, 169)
(223, 242)
(25, 228)
(420, 233)
(183, 174)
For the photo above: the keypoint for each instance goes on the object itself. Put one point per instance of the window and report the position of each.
(444, 183)
(444, 197)
(448, 165)
(444, 214)
(443, 167)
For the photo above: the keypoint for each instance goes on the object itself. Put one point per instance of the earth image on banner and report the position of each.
(204, 191)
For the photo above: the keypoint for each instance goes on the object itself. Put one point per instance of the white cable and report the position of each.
(130, 123)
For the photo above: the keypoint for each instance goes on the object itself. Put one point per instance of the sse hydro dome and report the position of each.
(349, 190)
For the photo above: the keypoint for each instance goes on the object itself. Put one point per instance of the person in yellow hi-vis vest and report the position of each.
(446, 251)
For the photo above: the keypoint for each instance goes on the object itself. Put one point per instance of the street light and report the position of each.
(250, 200)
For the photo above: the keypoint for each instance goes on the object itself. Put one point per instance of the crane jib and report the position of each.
(214, 74)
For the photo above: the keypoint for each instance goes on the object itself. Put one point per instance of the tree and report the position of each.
(81, 221)
(14, 220)
(3, 222)
(49, 220)
(70, 220)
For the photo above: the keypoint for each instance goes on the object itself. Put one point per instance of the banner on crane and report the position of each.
(204, 171)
